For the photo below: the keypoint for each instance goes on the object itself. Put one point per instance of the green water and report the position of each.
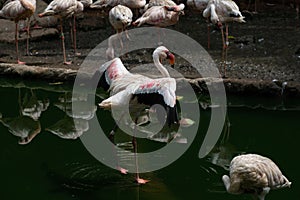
(52, 167)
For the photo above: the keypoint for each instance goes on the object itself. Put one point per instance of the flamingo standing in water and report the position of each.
(19, 10)
(219, 12)
(64, 9)
(125, 86)
(161, 16)
(252, 173)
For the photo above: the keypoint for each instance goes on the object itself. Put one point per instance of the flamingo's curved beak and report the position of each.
(171, 58)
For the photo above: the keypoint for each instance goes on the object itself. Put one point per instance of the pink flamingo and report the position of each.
(100, 4)
(17, 10)
(158, 3)
(64, 9)
(120, 17)
(161, 16)
(252, 173)
(125, 86)
(219, 12)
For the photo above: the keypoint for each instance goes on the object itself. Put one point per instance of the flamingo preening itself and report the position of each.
(219, 12)
(19, 10)
(125, 86)
(100, 4)
(152, 3)
(161, 16)
(64, 9)
(252, 173)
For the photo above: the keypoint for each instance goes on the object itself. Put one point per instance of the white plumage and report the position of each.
(124, 84)
(100, 4)
(138, 90)
(158, 3)
(120, 17)
(252, 173)
(223, 11)
(161, 16)
(219, 12)
(64, 9)
(19, 10)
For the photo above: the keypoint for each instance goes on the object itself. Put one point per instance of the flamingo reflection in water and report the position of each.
(26, 125)
(75, 122)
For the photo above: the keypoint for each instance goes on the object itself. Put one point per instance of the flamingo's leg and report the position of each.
(223, 64)
(17, 45)
(74, 37)
(111, 137)
(63, 43)
(134, 143)
(208, 35)
(27, 40)
(226, 49)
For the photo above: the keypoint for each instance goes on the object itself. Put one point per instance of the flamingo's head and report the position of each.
(164, 53)
(171, 58)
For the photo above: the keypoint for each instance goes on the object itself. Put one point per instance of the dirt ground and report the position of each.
(266, 47)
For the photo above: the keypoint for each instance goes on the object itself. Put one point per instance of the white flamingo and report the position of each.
(125, 86)
(161, 16)
(120, 17)
(252, 173)
(17, 10)
(64, 9)
(100, 4)
(158, 3)
(223, 11)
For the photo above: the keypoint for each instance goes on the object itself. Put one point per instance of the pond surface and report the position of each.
(55, 165)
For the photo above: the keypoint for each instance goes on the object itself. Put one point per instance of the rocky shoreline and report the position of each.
(232, 86)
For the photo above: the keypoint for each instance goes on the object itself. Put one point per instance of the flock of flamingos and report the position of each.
(249, 173)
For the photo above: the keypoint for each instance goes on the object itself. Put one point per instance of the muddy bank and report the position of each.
(232, 86)
(265, 48)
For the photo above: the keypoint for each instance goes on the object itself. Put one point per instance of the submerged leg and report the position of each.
(111, 137)
(134, 143)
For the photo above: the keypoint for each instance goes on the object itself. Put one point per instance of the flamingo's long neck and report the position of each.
(159, 66)
(214, 16)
